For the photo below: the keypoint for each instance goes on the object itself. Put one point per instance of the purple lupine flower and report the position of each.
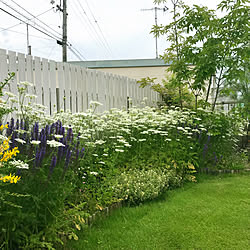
(37, 158)
(22, 124)
(68, 156)
(17, 124)
(13, 142)
(52, 128)
(62, 131)
(43, 138)
(47, 130)
(60, 153)
(52, 165)
(42, 154)
(35, 133)
(82, 152)
(69, 135)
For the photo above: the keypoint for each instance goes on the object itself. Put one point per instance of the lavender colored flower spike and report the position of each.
(60, 153)
(17, 124)
(42, 154)
(68, 156)
(52, 165)
(52, 128)
(62, 131)
(37, 158)
(82, 152)
(69, 135)
(22, 124)
(35, 131)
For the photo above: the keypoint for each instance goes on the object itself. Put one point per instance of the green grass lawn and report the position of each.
(211, 214)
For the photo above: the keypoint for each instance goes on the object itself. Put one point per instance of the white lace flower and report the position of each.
(58, 136)
(19, 164)
(55, 144)
(20, 140)
(35, 142)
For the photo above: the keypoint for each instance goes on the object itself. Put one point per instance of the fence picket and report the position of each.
(70, 87)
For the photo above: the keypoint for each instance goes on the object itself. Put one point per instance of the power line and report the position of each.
(96, 22)
(6, 29)
(28, 24)
(45, 30)
(93, 27)
(77, 53)
(41, 29)
(18, 32)
(85, 23)
(35, 17)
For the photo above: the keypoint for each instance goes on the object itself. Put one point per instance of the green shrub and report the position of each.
(136, 186)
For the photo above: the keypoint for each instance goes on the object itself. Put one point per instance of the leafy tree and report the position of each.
(214, 49)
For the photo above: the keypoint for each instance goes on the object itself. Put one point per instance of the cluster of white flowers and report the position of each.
(19, 164)
(55, 144)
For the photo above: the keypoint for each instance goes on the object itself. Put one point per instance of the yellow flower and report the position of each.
(3, 126)
(10, 178)
(9, 153)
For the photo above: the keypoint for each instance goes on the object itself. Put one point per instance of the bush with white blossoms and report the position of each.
(136, 186)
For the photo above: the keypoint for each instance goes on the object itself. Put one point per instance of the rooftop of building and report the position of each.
(129, 63)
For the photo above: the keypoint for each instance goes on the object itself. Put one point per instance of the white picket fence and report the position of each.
(72, 87)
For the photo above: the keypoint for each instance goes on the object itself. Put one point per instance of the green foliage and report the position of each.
(214, 46)
(133, 155)
(210, 214)
(4, 109)
(168, 91)
(136, 186)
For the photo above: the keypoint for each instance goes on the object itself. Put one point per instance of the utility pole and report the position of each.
(28, 45)
(64, 41)
(156, 9)
(64, 38)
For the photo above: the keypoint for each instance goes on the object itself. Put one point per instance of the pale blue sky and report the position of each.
(121, 31)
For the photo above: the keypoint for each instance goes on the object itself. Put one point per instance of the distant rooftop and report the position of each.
(121, 63)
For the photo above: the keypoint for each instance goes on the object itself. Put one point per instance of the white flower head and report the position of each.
(35, 142)
(19, 164)
(9, 94)
(26, 84)
(119, 150)
(20, 140)
(94, 173)
(55, 144)
(58, 136)
(95, 103)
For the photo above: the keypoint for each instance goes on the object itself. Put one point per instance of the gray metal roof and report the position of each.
(121, 63)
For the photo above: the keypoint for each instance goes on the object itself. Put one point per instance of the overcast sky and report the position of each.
(97, 29)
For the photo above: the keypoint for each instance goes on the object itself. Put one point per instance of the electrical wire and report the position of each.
(40, 27)
(18, 32)
(35, 17)
(93, 27)
(6, 29)
(99, 28)
(83, 20)
(29, 24)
